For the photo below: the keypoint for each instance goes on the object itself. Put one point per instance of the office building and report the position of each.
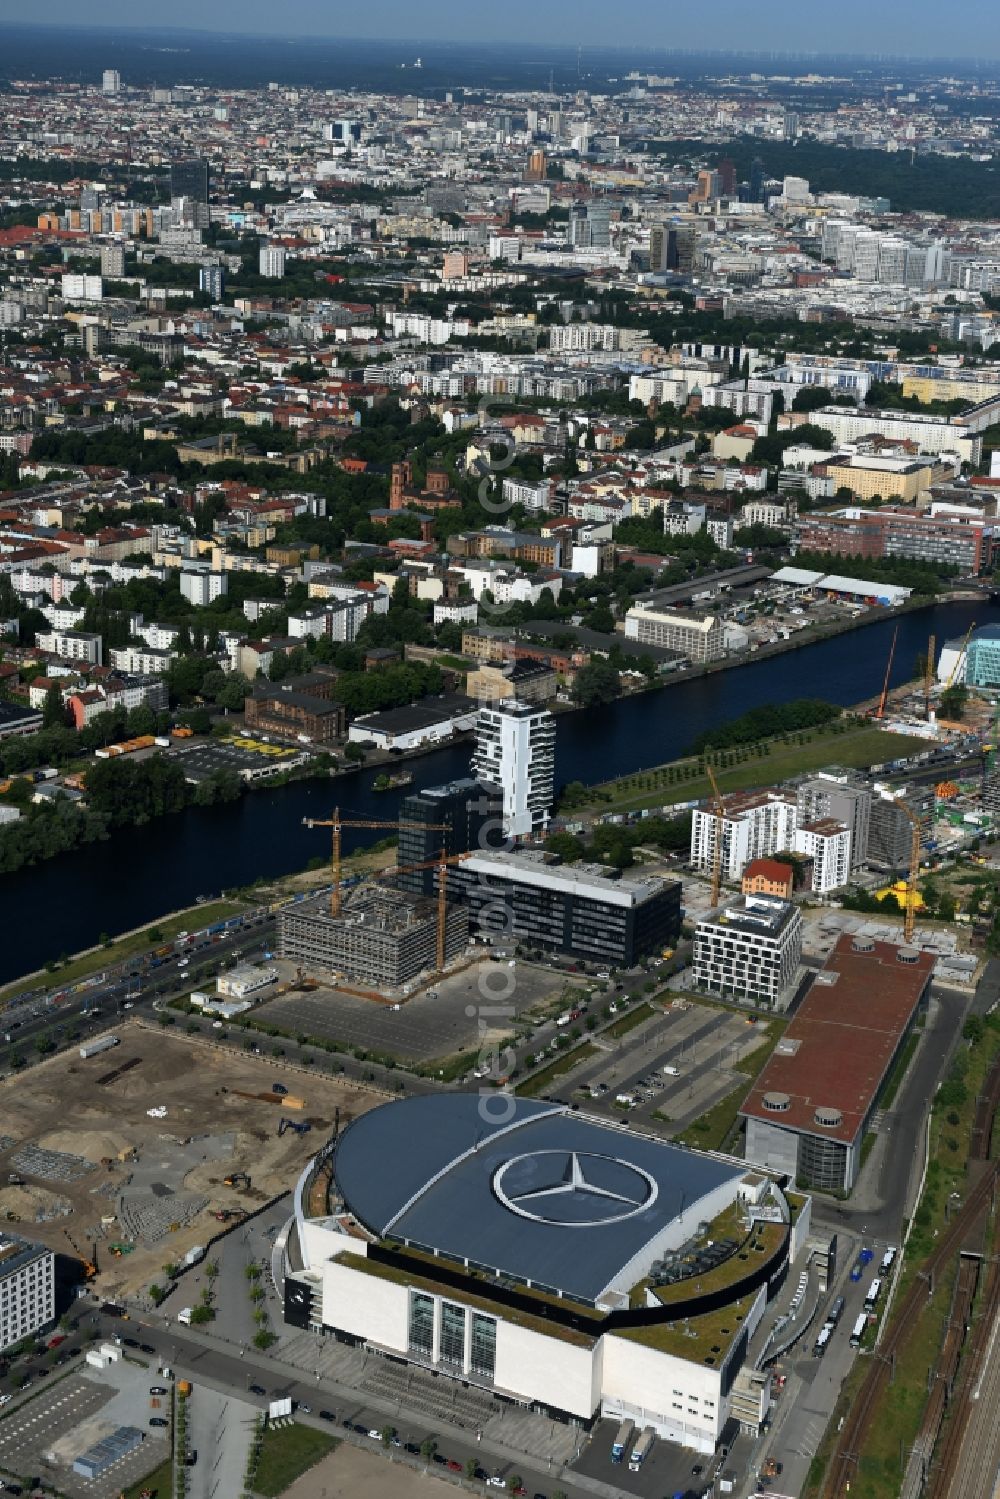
(77, 287)
(382, 938)
(113, 261)
(697, 637)
(545, 1259)
(27, 1289)
(189, 179)
(515, 751)
(111, 81)
(472, 814)
(272, 261)
(837, 794)
(757, 180)
(212, 279)
(749, 951)
(811, 1106)
(584, 909)
(982, 662)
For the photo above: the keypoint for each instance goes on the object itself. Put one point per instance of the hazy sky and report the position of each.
(928, 28)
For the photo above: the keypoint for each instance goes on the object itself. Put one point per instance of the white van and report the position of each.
(671, 1071)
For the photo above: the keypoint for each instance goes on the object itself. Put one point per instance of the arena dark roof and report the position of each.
(547, 1196)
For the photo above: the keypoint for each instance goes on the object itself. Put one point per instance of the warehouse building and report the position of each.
(577, 908)
(296, 715)
(556, 1262)
(27, 1289)
(384, 938)
(749, 951)
(809, 1110)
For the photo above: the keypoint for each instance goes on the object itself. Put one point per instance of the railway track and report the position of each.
(850, 1441)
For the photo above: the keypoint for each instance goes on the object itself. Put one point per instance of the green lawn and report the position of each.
(562, 1064)
(161, 1481)
(860, 746)
(626, 1023)
(126, 947)
(288, 1451)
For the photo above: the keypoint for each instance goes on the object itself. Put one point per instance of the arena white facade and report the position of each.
(558, 1261)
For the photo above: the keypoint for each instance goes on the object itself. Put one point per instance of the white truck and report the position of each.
(184, 1315)
(641, 1449)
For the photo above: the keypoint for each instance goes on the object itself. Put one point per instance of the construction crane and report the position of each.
(929, 674)
(338, 823)
(959, 658)
(720, 815)
(441, 865)
(880, 712)
(910, 911)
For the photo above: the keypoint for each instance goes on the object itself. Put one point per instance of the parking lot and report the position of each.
(43, 1437)
(668, 1470)
(705, 1045)
(438, 1021)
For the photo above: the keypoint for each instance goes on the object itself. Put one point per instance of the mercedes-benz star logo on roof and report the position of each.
(574, 1189)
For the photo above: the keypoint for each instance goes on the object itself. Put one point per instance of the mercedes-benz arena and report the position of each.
(558, 1261)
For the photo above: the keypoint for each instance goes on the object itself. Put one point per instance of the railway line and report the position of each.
(857, 1424)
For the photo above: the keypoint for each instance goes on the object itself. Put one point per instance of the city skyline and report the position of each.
(969, 28)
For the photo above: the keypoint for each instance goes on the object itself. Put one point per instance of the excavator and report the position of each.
(237, 1179)
(300, 1127)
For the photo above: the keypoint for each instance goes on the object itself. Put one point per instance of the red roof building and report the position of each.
(809, 1109)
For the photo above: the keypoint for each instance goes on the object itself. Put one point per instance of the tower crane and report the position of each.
(441, 864)
(880, 711)
(910, 912)
(337, 823)
(960, 657)
(720, 814)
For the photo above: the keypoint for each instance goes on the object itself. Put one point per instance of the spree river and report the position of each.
(62, 905)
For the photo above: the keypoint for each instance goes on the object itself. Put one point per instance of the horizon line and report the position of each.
(800, 54)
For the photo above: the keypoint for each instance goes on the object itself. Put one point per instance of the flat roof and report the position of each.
(835, 1052)
(418, 715)
(520, 1187)
(593, 881)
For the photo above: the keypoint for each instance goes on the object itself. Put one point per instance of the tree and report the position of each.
(428, 1447)
(202, 1313)
(596, 684)
(953, 700)
(53, 709)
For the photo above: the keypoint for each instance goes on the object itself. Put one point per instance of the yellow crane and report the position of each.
(720, 815)
(960, 657)
(910, 911)
(337, 823)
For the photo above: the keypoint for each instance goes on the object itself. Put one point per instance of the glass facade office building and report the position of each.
(982, 665)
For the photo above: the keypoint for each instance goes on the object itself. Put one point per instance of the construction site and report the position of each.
(132, 1158)
(382, 938)
(371, 935)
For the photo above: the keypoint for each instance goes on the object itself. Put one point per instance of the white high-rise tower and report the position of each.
(515, 750)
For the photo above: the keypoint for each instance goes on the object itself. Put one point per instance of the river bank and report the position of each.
(140, 873)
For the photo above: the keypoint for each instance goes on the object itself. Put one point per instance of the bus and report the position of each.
(888, 1259)
(621, 1441)
(874, 1292)
(836, 1310)
(859, 1330)
(824, 1337)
